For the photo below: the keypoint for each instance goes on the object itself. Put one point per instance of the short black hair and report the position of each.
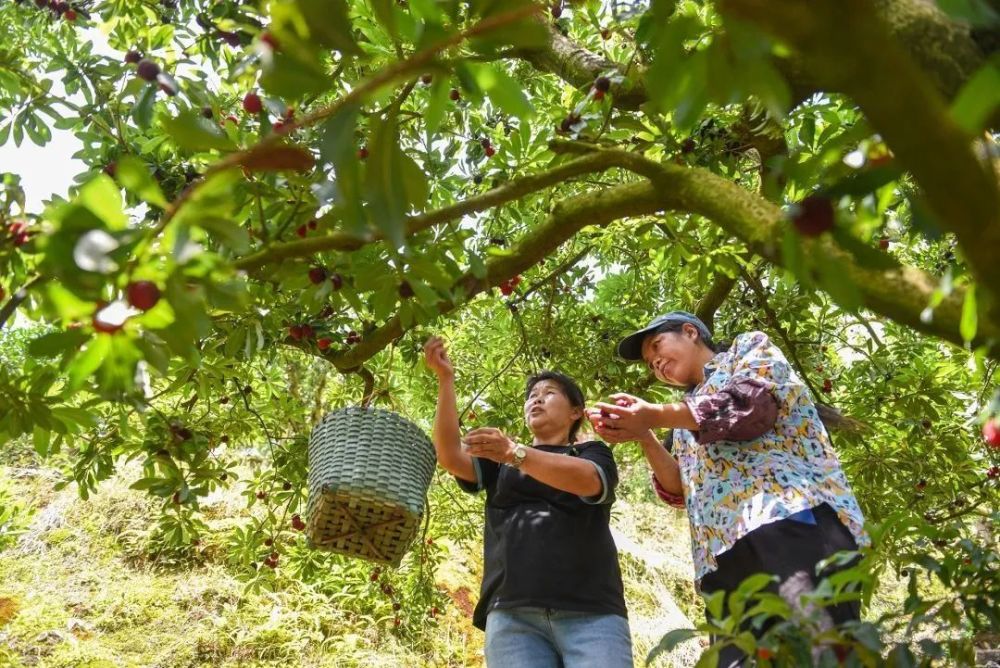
(570, 390)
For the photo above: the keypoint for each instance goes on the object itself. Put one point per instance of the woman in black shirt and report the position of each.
(552, 591)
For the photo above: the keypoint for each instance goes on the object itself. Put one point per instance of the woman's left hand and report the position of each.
(490, 443)
(630, 413)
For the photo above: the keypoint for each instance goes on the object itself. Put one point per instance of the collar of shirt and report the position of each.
(708, 370)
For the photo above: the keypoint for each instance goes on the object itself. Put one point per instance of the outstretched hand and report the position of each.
(490, 443)
(436, 358)
(628, 414)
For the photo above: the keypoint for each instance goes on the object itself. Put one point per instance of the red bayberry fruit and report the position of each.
(302, 230)
(142, 295)
(132, 57)
(307, 332)
(295, 331)
(317, 275)
(828, 386)
(490, 151)
(252, 103)
(70, 15)
(598, 95)
(324, 343)
(405, 290)
(605, 34)
(883, 243)
(602, 84)
(297, 523)
(270, 40)
(362, 153)
(268, 542)
(103, 325)
(556, 10)
(921, 484)
(426, 79)
(991, 432)
(206, 112)
(148, 70)
(397, 622)
(261, 495)
(688, 146)
(337, 280)
(454, 95)
(813, 216)
(993, 472)
(764, 653)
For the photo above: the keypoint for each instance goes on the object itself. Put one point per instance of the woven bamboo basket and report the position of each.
(369, 470)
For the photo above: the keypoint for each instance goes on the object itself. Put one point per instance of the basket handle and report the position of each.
(369, 391)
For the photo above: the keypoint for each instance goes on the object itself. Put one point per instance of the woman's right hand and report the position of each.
(436, 358)
(608, 428)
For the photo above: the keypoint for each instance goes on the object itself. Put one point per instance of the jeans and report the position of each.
(544, 638)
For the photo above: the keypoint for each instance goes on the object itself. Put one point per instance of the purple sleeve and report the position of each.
(742, 410)
(675, 500)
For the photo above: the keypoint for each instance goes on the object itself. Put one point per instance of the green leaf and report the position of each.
(329, 25)
(231, 234)
(436, 105)
(142, 112)
(979, 98)
(670, 641)
(87, 362)
(391, 183)
(134, 175)
(970, 315)
(863, 182)
(193, 132)
(56, 342)
(503, 90)
(290, 77)
(103, 199)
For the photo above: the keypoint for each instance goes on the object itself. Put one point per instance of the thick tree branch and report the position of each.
(510, 191)
(846, 46)
(901, 294)
(568, 217)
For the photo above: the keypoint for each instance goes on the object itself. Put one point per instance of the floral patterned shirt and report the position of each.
(749, 465)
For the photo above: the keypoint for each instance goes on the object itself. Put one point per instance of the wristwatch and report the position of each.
(520, 452)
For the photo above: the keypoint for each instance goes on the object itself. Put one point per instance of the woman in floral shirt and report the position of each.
(750, 460)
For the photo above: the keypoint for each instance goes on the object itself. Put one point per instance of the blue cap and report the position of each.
(630, 347)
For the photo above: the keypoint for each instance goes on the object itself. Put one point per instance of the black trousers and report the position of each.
(789, 550)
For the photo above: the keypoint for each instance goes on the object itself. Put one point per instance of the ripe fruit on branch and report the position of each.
(490, 151)
(454, 95)
(337, 280)
(991, 432)
(252, 103)
(827, 385)
(147, 70)
(883, 243)
(142, 295)
(405, 290)
(362, 153)
(688, 146)
(813, 216)
(302, 230)
(295, 332)
(602, 84)
(297, 523)
(353, 337)
(317, 275)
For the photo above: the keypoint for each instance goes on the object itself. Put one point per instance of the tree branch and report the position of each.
(512, 190)
(849, 48)
(568, 217)
(901, 293)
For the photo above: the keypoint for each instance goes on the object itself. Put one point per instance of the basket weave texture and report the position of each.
(369, 470)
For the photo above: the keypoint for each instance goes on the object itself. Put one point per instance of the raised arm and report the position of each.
(446, 436)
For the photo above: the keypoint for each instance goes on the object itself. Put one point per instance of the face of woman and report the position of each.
(674, 357)
(547, 410)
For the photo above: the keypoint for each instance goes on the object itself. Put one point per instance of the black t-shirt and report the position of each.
(544, 547)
